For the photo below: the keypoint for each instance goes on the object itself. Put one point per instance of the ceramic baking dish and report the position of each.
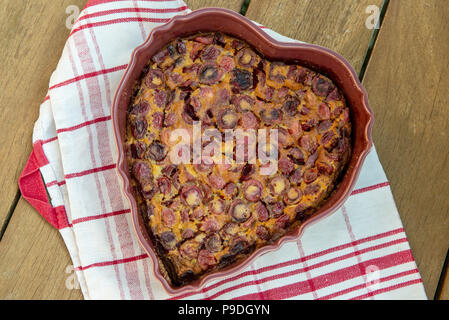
(315, 57)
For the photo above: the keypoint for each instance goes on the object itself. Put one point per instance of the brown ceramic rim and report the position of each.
(318, 58)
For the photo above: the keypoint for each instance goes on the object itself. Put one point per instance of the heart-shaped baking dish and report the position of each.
(314, 57)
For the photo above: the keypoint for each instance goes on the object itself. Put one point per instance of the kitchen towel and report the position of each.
(359, 252)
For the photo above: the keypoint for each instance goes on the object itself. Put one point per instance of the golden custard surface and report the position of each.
(203, 217)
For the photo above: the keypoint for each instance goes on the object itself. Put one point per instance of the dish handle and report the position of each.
(33, 189)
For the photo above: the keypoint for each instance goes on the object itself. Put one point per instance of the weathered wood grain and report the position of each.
(229, 4)
(34, 259)
(338, 25)
(407, 84)
(32, 35)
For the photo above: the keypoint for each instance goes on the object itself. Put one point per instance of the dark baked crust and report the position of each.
(202, 218)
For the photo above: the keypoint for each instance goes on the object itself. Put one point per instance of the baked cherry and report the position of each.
(158, 120)
(247, 170)
(210, 53)
(138, 149)
(164, 185)
(155, 79)
(227, 63)
(168, 240)
(310, 175)
(143, 173)
(191, 196)
(293, 195)
(231, 189)
(204, 39)
(291, 107)
(219, 39)
(240, 211)
(249, 121)
(160, 98)
(312, 189)
(297, 74)
(321, 86)
(324, 167)
(334, 95)
(262, 233)
(296, 176)
(283, 221)
(276, 209)
(139, 127)
(246, 58)
(252, 190)
(189, 249)
(210, 73)
(286, 165)
(160, 56)
(210, 225)
(242, 102)
(227, 119)
(140, 109)
(217, 206)
(181, 47)
(262, 212)
(157, 151)
(213, 243)
(238, 245)
(230, 228)
(206, 259)
(168, 217)
(241, 80)
(278, 185)
(188, 233)
(275, 72)
(297, 156)
(271, 116)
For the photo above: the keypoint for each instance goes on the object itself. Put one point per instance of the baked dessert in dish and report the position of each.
(205, 215)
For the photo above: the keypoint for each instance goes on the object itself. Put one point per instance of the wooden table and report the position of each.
(403, 65)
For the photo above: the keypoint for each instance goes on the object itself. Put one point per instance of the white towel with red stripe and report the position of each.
(359, 252)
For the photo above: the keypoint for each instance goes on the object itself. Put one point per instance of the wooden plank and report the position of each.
(338, 25)
(34, 259)
(32, 35)
(407, 84)
(229, 4)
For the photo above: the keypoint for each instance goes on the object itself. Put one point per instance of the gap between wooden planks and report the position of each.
(407, 84)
